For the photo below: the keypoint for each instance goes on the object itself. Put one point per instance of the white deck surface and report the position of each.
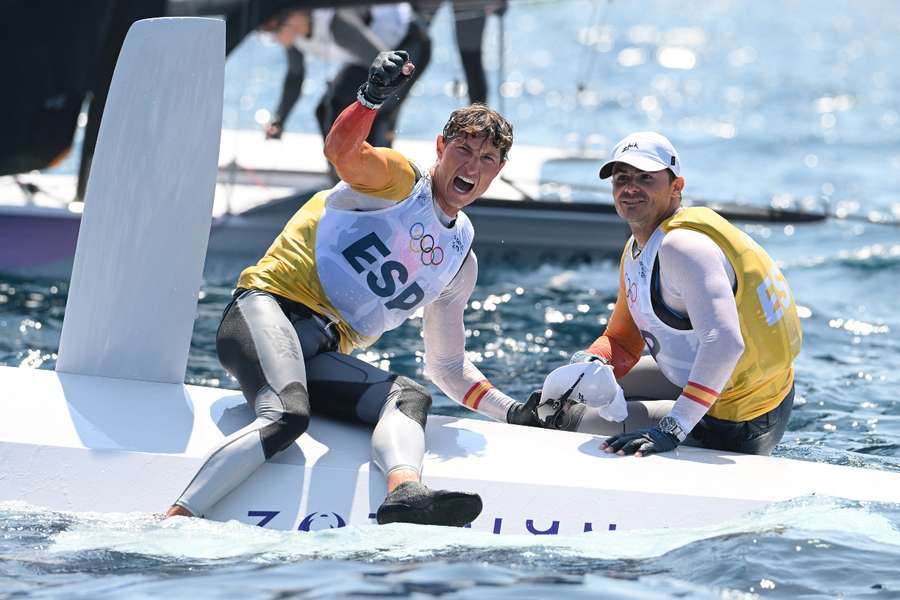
(119, 445)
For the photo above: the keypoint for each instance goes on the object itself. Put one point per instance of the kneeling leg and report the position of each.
(259, 345)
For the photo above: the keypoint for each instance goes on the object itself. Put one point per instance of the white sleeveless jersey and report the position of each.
(378, 267)
(674, 350)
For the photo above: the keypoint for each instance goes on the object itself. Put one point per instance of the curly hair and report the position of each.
(478, 120)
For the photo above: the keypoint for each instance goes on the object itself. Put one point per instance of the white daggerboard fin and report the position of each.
(143, 237)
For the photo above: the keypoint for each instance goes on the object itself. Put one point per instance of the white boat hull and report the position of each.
(82, 443)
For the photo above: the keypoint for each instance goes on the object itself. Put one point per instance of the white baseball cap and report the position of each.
(644, 150)
(590, 383)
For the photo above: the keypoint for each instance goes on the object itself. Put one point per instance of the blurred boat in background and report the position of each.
(524, 216)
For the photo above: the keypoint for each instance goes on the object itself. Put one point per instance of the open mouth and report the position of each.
(463, 185)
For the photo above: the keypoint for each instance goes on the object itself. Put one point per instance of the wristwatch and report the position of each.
(669, 425)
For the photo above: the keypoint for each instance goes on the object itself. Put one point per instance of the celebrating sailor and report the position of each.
(355, 261)
(707, 302)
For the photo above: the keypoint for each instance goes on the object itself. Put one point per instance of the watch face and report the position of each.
(670, 425)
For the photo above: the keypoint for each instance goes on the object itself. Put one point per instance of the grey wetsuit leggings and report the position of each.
(285, 359)
(650, 397)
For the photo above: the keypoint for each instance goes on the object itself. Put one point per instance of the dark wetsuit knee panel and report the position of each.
(413, 400)
(257, 343)
(410, 398)
(291, 422)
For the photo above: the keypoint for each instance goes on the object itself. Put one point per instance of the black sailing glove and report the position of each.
(525, 413)
(389, 72)
(643, 442)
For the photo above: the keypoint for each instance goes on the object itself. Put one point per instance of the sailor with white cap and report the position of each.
(709, 305)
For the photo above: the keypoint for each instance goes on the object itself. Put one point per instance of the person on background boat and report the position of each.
(351, 36)
(710, 306)
(469, 19)
(286, 27)
(355, 261)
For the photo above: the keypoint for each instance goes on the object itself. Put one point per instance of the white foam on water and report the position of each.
(837, 521)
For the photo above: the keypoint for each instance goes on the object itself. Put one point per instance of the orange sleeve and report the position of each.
(621, 343)
(379, 172)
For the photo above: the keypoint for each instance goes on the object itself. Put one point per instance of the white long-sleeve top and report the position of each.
(445, 348)
(697, 281)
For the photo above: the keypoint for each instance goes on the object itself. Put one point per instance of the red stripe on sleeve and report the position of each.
(697, 399)
(703, 388)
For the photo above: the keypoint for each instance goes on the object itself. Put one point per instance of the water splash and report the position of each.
(858, 525)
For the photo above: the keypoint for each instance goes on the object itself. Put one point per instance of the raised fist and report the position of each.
(389, 72)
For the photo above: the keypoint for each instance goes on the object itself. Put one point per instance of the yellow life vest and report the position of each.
(768, 317)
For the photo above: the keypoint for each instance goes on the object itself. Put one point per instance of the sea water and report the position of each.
(794, 102)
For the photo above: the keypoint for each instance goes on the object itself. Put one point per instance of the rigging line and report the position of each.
(501, 64)
(515, 185)
(591, 60)
(585, 60)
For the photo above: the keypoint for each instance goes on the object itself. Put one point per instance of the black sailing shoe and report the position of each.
(412, 502)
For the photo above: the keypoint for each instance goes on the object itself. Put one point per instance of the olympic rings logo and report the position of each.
(424, 245)
(631, 290)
